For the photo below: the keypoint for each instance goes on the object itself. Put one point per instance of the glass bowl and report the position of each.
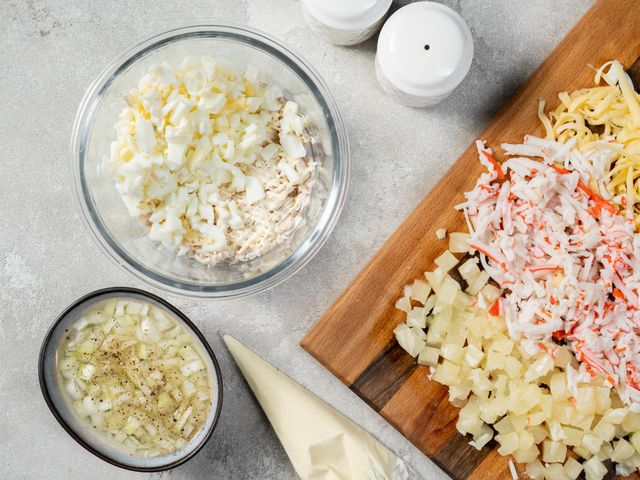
(98, 444)
(125, 240)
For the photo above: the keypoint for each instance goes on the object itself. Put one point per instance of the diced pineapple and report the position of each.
(562, 357)
(602, 399)
(535, 418)
(594, 469)
(562, 411)
(553, 451)
(132, 425)
(473, 355)
(449, 290)
(631, 422)
(558, 386)
(512, 366)
(501, 344)
(469, 269)
(452, 352)
(495, 361)
(407, 340)
(572, 468)
(586, 400)
(605, 430)
(539, 368)
(478, 283)
(582, 452)
(435, 278)
(546, 404)
(635, 441)
(459, 242)
(458, 394)
(526, 440)
(417, 318)
(404, 304)
(526, 455)
(447, 373)
(420, 291)
(429, 356)
(539, 433)
(436, 336)
(509, 443)
(490, 293)
(615, 416)
(605, 451)
(535, 470)
(490, 411)
(430, 303)
(447, 261)
(572, 436)
(583, 422)
(418, 333)
(555, 471)
(462, 300)
(591, 442)
(622, 450)
(481, 438)
(456, 334)
(504, 426)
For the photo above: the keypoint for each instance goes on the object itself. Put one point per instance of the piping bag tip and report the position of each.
(321, 443)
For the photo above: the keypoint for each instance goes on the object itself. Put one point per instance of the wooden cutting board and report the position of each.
(354, 339)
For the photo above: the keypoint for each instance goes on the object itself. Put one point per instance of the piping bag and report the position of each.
(321, 443)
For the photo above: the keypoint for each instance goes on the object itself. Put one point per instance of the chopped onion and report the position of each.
(129, 379)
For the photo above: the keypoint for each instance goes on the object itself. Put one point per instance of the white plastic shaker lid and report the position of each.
(425, 49)
(347, 14)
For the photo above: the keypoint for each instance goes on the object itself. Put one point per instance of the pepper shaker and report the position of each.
(424, 51)
(345, 22)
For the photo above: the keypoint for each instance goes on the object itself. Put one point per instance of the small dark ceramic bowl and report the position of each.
(95, 442)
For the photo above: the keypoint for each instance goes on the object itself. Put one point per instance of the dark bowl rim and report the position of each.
(86, 445)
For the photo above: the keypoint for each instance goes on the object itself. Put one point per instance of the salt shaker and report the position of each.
(424, 51)
(345, 22)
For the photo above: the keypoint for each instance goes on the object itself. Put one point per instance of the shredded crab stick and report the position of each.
(567, 260)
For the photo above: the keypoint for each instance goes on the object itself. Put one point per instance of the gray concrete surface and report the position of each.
(50, 51)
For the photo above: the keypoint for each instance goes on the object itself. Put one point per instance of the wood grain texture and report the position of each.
(354, 338)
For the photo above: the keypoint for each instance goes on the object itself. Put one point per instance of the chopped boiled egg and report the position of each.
(212, 160)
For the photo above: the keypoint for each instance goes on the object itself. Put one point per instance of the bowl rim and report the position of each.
(44, 388)
(327, 218)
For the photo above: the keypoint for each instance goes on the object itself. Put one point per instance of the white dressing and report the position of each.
(321, 443)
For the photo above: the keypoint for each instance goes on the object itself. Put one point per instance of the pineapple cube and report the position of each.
(594, 469)
(509, 443)
(553, 452)
(572, 468)
(622, 450)
(591, 442)
(473, 355)
(558, 386)
(417, 317)
(631, 422)
(605, 430)
(555, 471)
(429, 356)
(447, 373)
(447, 261)
(458, 242)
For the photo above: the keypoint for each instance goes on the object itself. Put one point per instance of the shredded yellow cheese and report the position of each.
(605, 115)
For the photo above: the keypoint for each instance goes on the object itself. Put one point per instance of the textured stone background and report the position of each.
(51, 50)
